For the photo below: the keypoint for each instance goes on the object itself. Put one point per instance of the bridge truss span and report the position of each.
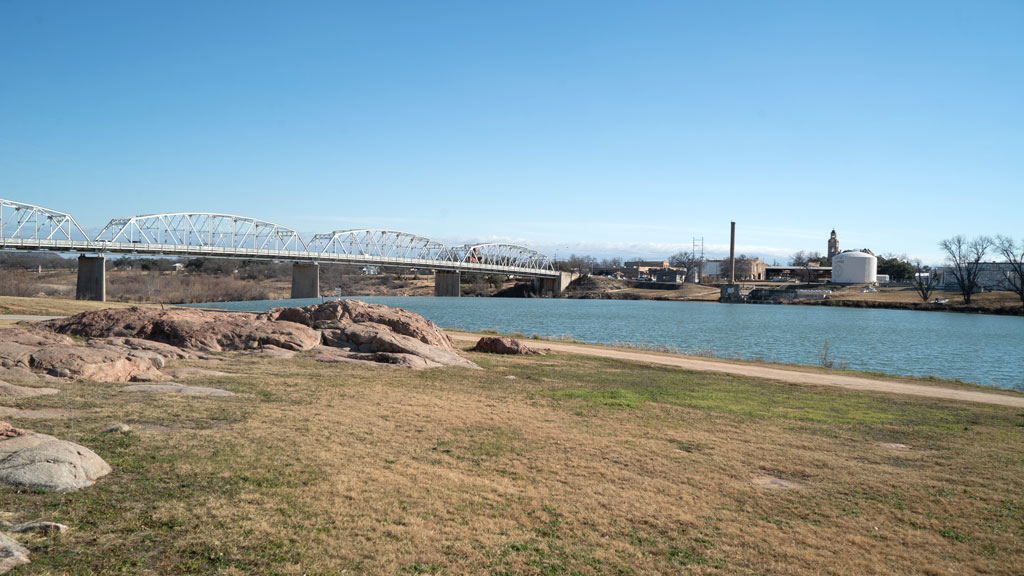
(381, 245)
(180, 231)
(503, 255)
(30, 225)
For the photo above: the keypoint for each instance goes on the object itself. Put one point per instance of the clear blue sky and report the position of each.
(608, 128)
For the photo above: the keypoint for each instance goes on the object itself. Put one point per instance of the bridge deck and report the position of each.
(90, 247)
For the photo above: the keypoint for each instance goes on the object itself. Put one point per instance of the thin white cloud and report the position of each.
(649, 250)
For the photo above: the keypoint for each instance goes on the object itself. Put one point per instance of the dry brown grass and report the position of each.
(576, 465)
(172, 288)
(50, 306)
(910, 296)
(180, 288)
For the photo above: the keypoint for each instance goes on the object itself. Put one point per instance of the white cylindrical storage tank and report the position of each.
(854, 268)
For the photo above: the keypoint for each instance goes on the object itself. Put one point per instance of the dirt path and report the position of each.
(781, 374)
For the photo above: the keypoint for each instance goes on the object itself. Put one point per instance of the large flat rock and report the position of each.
(14, 391)
(40, 462)
(133, 344)
(338, 313)
(103, 364)
(177, 389)
(190, 329)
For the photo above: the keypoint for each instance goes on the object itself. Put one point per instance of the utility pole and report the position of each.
(732, 254)
(700, 259)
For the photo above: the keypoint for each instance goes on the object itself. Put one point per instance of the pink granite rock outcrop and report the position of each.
(133, 344)
(191, 329)
(339, 313)
(375, 333)
(503, 345)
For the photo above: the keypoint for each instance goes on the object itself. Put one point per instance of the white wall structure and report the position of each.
(854, 268)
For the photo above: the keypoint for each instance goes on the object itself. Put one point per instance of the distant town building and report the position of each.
(637, 268)
(710, 269)
(854, 268)
(807, 273)
(746, 269)
(991, 276)
(833, 245)
(670, 276)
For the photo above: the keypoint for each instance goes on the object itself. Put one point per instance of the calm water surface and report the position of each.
(969, 347)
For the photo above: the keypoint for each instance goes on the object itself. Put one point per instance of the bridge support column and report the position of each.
(446, 283)
(92, 278)
(553, 287)
(305, 280)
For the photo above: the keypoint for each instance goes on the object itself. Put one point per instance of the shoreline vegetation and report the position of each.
(543, 464)
(892, 298)
(155, 281)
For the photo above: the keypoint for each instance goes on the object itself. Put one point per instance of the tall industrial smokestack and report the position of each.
(732, 255)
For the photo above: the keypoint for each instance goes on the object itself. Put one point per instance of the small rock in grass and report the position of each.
(774, 482)
(8, 431)
(13, 391)
(12, 554)
(40, 528)
(40, 462)
(120, 427)
(895, 446)
(271, 352)
(177, 389)
(494, 345)
(188, 372)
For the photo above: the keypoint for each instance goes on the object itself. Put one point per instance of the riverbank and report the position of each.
(802, 375)
(556, 464)
(794, 374)
(155, 287)
(889, 298)
(184, 287)
(995, 307)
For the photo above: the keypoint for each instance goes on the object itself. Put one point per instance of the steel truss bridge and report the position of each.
(29, 227)
(200, 234)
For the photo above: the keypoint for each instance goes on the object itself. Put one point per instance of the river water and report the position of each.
(970, 347)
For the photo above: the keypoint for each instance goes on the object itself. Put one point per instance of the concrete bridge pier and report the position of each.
(553, 287)
(92, 278)
(446, 283)
(305, 280)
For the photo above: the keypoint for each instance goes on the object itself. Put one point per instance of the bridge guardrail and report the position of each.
(207, 229)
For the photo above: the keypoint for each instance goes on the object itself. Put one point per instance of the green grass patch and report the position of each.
(596, 384)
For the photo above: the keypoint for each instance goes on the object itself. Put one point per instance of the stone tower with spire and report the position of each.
(833, 245)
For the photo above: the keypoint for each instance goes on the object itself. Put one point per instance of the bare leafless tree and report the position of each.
(688, 260)
(1013, 253)
(965, 258)
(923, 281)
(805, 260)
(744, 267)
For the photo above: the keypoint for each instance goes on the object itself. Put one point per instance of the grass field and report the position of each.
(52, 306)
(542, 465)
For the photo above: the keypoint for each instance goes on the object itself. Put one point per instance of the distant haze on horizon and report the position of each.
(591, 128)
